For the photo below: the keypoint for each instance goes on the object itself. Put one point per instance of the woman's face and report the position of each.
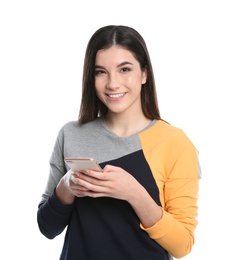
(118, 80)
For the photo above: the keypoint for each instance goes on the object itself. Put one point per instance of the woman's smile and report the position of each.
(117, 96)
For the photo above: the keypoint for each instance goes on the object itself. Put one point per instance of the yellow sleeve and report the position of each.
(173, 160)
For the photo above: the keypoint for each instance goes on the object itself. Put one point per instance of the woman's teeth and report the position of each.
(116, 95)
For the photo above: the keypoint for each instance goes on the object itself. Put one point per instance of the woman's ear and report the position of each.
(144, 76)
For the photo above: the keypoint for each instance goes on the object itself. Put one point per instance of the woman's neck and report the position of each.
(126, 126)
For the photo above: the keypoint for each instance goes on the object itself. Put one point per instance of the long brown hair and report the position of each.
(91, 107)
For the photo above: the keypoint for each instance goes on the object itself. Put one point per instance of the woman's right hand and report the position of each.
(65, 188)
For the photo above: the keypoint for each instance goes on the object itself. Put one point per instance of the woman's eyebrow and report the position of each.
(119, 65)
(99, 67)
(125, 63)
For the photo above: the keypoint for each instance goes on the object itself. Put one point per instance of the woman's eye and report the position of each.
(125, 69)
(97, 72)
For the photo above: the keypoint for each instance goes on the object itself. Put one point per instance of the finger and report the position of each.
(93, 185)
(95, 175)
(91, 194)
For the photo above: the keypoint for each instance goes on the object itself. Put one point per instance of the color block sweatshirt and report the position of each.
(161, 158)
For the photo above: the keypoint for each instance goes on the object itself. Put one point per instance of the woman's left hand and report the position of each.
(111, 182)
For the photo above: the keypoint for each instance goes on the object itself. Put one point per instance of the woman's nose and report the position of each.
(113, 81)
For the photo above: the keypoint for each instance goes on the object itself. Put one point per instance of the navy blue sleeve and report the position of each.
(53, 216)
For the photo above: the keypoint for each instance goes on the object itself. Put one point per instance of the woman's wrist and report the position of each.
(63, 194)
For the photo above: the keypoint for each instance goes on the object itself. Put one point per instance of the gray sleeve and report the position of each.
(57, 167)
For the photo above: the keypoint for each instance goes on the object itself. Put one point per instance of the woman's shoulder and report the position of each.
(68, 126)
(166, 128)
(71, 126)
(164, 131)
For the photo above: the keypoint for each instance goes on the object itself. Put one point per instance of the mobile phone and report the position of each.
(81, 164)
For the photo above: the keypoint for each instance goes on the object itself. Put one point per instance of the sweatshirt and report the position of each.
(161, 158)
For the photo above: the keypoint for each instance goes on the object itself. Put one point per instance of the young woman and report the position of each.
(143, 204)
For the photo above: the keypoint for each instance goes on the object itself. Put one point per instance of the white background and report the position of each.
(42, 45)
